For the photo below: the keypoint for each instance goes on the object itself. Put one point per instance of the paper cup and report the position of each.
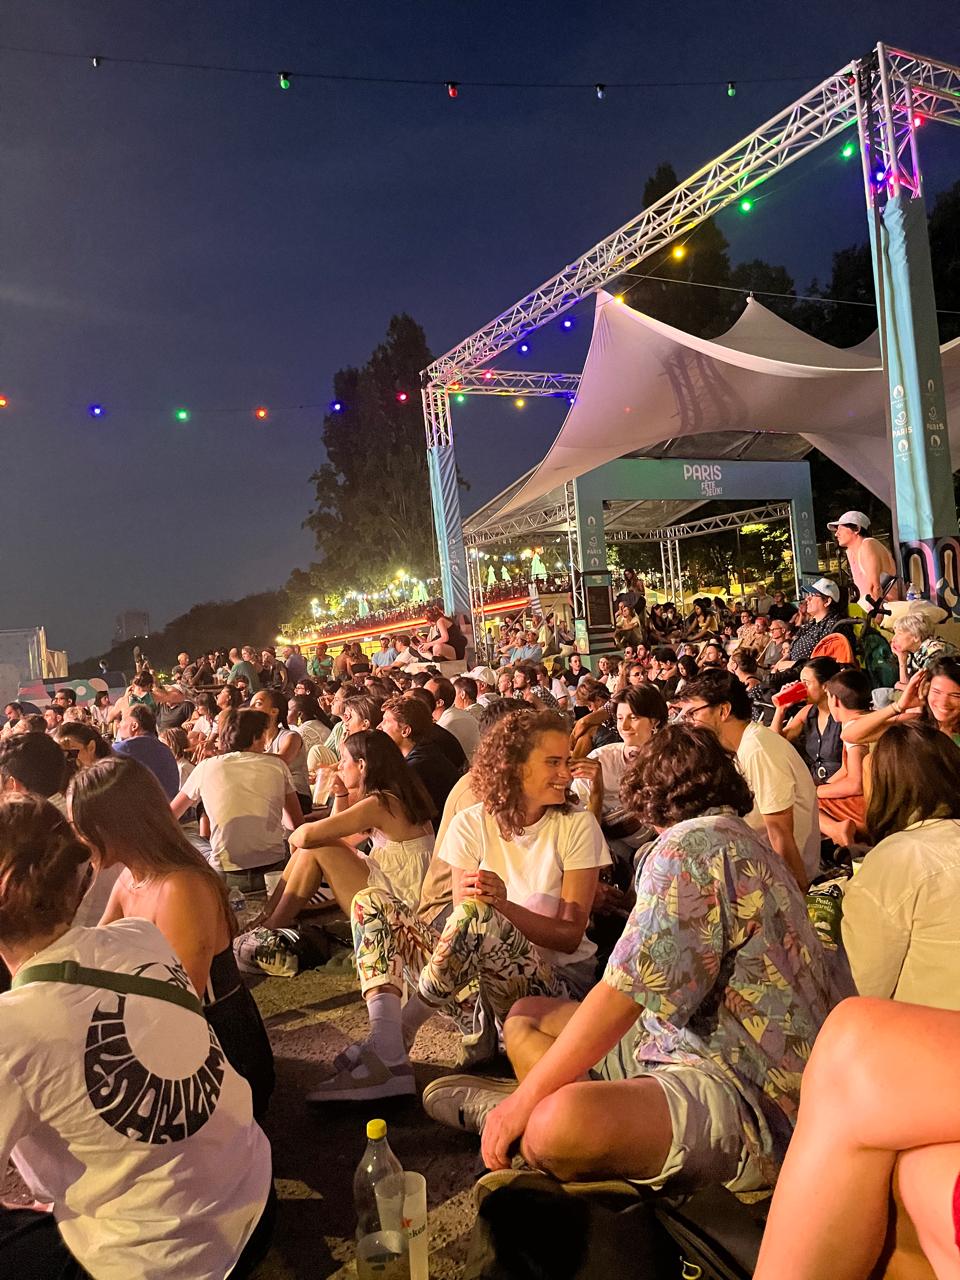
(270, 881)
(415, 1224)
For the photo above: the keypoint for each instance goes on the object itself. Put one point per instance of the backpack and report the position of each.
(533, 1229)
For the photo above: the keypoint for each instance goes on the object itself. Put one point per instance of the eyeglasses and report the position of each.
(691, 713)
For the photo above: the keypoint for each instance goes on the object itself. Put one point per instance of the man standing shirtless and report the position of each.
(867, 557)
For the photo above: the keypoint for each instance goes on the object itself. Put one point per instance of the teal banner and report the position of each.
(922, 471)
(694, 479)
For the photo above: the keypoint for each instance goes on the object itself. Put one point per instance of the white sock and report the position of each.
(386, 1034)
(415, 1014)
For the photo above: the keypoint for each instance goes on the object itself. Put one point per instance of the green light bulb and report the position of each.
(848, 151)
(746, 206)
(460, 398)
(182, 415)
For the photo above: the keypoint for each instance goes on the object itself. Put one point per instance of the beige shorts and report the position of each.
(707, 1115)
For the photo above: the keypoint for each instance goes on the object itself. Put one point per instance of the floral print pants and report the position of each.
(478, 950)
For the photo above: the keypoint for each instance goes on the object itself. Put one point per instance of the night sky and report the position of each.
(173, 237)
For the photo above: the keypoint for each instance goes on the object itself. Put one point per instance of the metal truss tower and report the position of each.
(882, 95)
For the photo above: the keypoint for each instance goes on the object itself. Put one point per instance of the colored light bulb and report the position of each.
(3, 402)
(731, 88)
(336, 406)
(568, 324)
(284, 80)
(679, 252)
(453, 89)
(519, 402)
(402, 397)
(746, 206)
(260, 412)
(848, 150)
(524, 348)
(488, 375)
(460, 397)
(182, 415)
(95, 410)
(601, 91)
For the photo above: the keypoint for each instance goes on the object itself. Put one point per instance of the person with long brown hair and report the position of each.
(524, 866)
(116, 1102)
(119, 809)
(375, 794)
(901, 928)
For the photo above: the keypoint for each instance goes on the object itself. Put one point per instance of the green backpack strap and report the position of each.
(126, 984)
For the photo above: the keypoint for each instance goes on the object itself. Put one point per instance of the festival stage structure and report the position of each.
(883, 97)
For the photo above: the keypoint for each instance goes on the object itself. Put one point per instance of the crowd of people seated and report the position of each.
(598, 867)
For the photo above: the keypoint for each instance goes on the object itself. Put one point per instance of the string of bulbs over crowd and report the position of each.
(285, 80)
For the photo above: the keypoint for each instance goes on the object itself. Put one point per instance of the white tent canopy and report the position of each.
(651, 389)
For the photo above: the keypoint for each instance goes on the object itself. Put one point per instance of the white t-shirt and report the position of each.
(464, 728)
(779, 779)
(125, 1113)
(901, 928)
(298, 765)
(613, 765)
(243, 794)
(532, 865)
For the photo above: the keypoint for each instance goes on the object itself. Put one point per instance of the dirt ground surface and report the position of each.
(310, 1019)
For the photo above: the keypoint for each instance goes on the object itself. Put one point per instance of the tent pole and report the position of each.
(663, 570)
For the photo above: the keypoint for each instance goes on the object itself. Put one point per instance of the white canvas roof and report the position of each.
(763, 390)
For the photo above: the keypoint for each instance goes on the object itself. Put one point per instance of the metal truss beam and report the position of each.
(516, 382)
(546, 519)
(821, 114)
(710, 524)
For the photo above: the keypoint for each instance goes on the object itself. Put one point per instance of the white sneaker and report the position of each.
(267, 951)
(464, 1102)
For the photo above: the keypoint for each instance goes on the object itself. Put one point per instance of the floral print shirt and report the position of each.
(731, 979)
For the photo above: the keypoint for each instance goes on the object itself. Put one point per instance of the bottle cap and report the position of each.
(376, 1129)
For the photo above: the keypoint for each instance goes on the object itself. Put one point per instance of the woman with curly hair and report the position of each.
(682, 1066)
(525, 866)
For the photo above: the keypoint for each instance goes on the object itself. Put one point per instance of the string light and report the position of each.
(568, 323)
(460, 397)
(679, 252)
(849, 149)
(3, 402)
(917, 121)
(619, 298)
(95, 410)
(261, 412)
(488, 375)
(519, 402)
(336, 406)
(731, 88)
(284, 79)
(182, 415)
(601, 91)
(95, 61)
(746, 205)
(524, 348)
(454, 386)
(402, 397)
(453, 89)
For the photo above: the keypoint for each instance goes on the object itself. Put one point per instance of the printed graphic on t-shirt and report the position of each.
(130, 1097)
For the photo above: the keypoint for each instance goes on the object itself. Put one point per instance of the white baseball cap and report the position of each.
(823, 587)
(484, 675)
(851, 517)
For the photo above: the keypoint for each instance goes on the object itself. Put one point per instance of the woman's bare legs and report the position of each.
(344, 870)
(882, 1080)
(445, 652)
(926, 1177)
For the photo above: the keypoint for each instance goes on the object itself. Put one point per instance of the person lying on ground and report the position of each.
(696, 1038)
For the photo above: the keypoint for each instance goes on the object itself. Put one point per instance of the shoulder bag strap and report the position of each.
(123, 983)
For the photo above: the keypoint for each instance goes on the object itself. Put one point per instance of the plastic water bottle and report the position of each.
(238, 903)
(382, 1249)
(912, 593)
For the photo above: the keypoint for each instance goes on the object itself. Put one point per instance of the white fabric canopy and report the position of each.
(645, 384)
